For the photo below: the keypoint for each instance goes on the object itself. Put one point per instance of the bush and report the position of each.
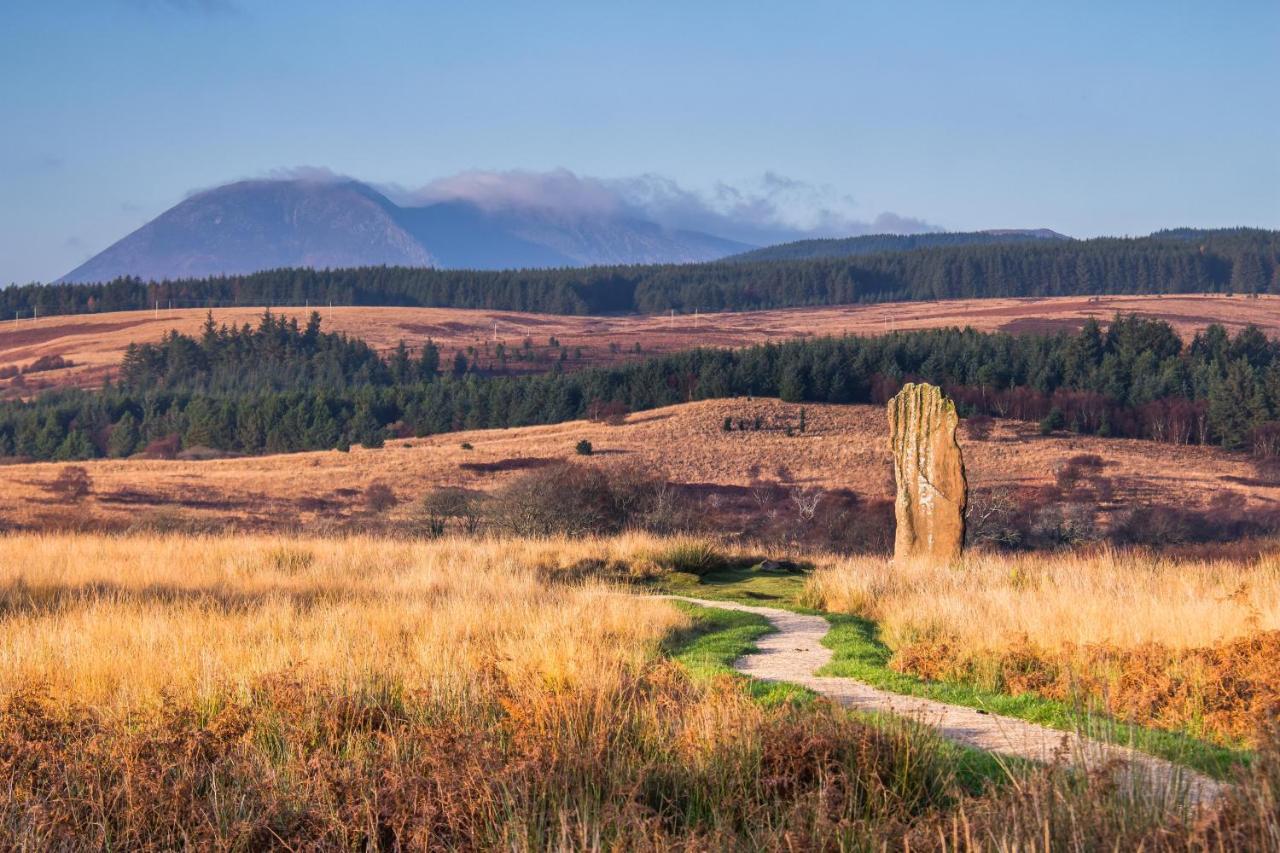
(72, 485)
(378, 498)
(1052, 422)
(166, 447)
(992, 518)
(978, 427)
(1083, 465)
(578, 499)
(1065, 525)
(583, 448)
(440, 507)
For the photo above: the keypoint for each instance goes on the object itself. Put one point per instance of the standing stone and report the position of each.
(929, 471)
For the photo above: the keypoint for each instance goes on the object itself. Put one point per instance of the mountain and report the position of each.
(257, 225)
(872, 244)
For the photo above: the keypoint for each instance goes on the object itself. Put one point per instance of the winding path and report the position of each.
(793, 653)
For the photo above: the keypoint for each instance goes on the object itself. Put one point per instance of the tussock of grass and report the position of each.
(690, 556)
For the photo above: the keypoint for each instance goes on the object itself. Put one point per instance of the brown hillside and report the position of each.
(96, 342)
(842, 449)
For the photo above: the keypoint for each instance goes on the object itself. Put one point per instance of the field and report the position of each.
(1187, 644)
(95, 343)
(242, 692)
(291, 651)
(733, 477)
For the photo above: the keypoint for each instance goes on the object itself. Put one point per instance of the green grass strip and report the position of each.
(859, 653)
(717, 638)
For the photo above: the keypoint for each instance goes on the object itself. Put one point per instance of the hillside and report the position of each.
(250, 226)
(1223, 261)
(843, 450)
(872, 244)
(95, 343)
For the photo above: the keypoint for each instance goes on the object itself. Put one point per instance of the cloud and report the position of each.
(310, 174)
(773, 208)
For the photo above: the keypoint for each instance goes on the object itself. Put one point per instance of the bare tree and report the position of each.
(764, 493)
(806, 500)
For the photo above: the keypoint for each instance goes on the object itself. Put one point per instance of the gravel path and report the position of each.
(793, 652)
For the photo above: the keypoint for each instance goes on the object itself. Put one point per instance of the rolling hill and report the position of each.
(872, 244)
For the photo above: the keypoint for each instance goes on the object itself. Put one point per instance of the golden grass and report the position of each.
(120, 623)
(1178, 643)
(159, 692)
(1116, 598)
(244, 693)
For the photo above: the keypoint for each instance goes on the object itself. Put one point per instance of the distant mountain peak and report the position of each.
(253, 225)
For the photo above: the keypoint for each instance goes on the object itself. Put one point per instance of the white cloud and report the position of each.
(771, 209)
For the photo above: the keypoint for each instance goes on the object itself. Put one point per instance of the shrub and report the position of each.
(48, 362)
(441, 506)
(978, 427)
(992, 518)
(1053, 421)
(613, 412)
(166, 447)
(583, 448)
(466, 445)
(690, 556)
(72, 485)
(1064, 525)
(378, 497)
(577, 499)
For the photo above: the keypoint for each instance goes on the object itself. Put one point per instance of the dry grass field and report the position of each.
(1177, 643)
(276, 692)
(842, 451)
(284, 693)
(96, 342)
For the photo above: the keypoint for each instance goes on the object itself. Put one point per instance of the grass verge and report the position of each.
(860, 654)
(719, 637)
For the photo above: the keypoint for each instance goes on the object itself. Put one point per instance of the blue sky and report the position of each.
(1089, 118)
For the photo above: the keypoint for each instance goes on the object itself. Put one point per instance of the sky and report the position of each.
(1088, 118)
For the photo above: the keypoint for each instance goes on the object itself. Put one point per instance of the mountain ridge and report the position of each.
(255, 225)
(869, 244)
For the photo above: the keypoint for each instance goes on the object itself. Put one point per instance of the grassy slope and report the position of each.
(860, 654)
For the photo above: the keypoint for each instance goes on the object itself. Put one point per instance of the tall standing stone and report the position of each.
(929, 471)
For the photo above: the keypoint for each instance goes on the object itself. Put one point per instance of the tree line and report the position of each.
(1244, 261)
(281, 387)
